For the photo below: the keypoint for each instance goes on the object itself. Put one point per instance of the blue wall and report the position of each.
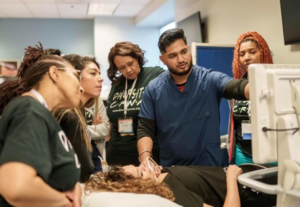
(70, 36)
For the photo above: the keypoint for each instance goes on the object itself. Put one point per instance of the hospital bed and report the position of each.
(112, 199)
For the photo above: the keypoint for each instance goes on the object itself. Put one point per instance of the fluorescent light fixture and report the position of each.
(102, 9)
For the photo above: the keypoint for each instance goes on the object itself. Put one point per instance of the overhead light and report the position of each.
(102, 9)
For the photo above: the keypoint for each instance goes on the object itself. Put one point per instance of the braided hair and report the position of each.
(265, 53)
(34, 66)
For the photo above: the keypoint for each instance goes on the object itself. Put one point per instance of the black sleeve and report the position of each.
(146, 128)
(234, 89)
(70, 124)
(183, 196)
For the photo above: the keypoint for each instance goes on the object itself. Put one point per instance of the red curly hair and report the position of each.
(265, 53)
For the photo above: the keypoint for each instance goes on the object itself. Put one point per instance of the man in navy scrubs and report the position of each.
(181, 107)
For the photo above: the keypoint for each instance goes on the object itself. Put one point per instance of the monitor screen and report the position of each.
(272, 101)
(192, 28)
(290, 12)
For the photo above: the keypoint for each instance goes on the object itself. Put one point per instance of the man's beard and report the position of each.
(181, 73)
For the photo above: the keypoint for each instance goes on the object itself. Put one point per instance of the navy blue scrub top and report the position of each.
(187, 123)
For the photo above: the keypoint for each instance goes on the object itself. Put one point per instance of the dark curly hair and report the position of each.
(116, 180)
(34, 66)
(123, 49)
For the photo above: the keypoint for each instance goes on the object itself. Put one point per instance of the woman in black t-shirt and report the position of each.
(38, 166)
(129, 79)
(192, 186)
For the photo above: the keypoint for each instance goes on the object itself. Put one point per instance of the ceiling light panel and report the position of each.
(102, 9)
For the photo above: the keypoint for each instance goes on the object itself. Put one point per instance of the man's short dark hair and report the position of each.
(169, 37)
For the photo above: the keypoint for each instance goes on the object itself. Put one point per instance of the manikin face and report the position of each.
(91, 81)
(148, 169)
(128, 66)
(249, 53)
(177, 58)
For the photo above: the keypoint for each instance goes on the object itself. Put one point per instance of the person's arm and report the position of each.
(237, 89)
(100, 131)
(145, 134)
(21, 186)
(232, 197)
(146, 124)
(107, 138)
(70, 125)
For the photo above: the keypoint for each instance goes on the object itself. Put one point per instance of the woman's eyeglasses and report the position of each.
(78, 76)
(78, 72)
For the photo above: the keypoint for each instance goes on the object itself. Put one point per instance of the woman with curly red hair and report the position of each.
(250, 48)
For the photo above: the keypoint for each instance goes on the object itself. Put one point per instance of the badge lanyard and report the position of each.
(125, 98)
(39, 97)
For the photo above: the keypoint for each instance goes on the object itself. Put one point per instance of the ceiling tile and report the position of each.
(125, 14)
(72, 1)
(2, 15)
(143, 2)
(73, 16)
(42, 7)
(128, 10)
(19, 15)
(11, 1)
(38, 1)
(45, 15)
(13, 7)
(73, 8)
(106, 1)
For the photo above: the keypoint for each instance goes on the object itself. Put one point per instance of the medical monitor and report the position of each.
(274, 96)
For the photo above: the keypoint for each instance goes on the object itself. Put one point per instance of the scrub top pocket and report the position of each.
(197, 108)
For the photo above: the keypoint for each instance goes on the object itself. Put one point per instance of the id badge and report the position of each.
(246, 131)
(125, 126)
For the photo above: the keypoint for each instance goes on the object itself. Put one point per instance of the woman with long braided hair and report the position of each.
(38, 166)
(250, 48)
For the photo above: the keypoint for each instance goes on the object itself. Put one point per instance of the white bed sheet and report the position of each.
(112, 199)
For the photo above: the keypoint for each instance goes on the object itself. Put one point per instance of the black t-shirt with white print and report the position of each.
(241, 116)
(193, 186)
(29, 134)
(115, 109)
